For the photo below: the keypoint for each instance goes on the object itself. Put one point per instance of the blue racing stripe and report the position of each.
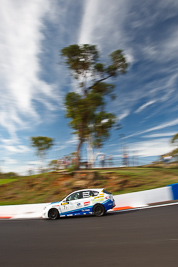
(88, 209)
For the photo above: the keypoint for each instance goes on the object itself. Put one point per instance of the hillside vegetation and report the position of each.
(53, 186)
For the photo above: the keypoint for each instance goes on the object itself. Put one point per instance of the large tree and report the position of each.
(87, 107)
(42, 145)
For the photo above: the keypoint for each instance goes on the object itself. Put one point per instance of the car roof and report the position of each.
(97, 189)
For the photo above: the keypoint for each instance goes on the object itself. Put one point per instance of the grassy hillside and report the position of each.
(54, 186)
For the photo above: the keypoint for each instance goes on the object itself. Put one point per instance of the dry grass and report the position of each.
(49, 187)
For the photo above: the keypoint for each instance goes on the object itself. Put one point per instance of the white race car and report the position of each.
(81, 202)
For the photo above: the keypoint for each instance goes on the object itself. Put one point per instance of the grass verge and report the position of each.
(54, 186)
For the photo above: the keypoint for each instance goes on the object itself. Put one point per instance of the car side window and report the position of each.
(91, 194)
(87, 194)
(95, 193)
(74, 196)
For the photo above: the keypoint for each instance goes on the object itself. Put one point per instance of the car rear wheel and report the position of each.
(53, 214)
(98, 210)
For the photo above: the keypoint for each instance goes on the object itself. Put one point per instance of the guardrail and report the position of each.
(123, 201)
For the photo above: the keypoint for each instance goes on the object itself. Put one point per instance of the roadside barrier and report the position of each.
(123, 202)
(22, 211)
(174, 188)
(144, 198)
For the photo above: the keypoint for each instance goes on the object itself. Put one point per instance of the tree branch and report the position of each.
(105, 78)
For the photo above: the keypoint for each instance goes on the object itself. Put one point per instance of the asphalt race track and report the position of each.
(135, 238)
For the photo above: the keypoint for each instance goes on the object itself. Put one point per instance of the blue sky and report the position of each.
(34, 80)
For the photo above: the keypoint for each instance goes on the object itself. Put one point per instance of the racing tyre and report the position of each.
(98, 210)
(53, 214)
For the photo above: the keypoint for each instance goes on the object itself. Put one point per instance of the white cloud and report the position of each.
(34, 162)
(144, 106)
(100, 20)
(162, 126)
(98, 17)
(166, 49)
(9, 164)
(66, 144)
(117, 156)
(21, 25)
(9, 141)
(159, 135)
(12, 149)
(123, 115)
(151, 147)
(159, 127)
(73, 140)
(9, 161)
(19, 169)
(60, 147)
(87, 24)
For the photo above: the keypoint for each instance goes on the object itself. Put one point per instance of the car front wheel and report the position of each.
(98, 210)
(53, 214)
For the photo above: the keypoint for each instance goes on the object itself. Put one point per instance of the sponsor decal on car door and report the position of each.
(64, 207)
(87, 200)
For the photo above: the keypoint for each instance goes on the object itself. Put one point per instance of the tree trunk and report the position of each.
(90, 153)
(78, 153)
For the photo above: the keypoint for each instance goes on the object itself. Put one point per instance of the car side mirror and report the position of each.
(65, 201)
